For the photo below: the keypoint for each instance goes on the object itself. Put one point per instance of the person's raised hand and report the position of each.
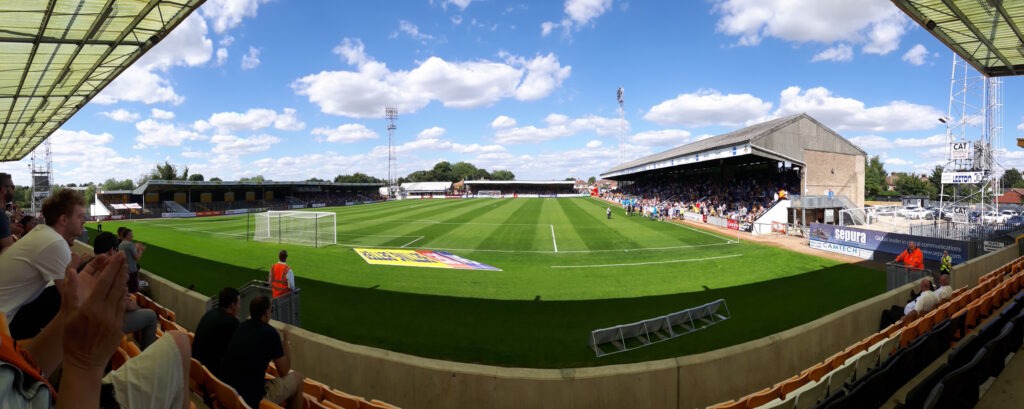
(93, 328)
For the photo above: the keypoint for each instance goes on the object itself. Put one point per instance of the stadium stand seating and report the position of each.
(216, 394)
(869, 372)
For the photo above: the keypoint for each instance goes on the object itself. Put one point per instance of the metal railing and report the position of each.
(898, 275)
(284, 308)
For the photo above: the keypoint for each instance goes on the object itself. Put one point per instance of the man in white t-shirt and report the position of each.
(927, 300)
(944, 291)
(40, 258)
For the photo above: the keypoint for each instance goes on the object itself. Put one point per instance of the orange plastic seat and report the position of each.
(741, 404)
(313, 388)
(909, 334)
(224, 396)
(266, 404)
(925, 324)
(130, 347)
(759, 398)
(342, 399)
(197, 375)
(118, 359)
(815, 372)
(376, 404)
(792, 384)
(973, 312)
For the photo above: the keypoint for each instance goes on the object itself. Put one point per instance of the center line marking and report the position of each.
(650, 262)
(553, 241)
(411, 242)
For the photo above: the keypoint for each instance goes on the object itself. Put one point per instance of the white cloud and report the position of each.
(1021, 126)
(663, 137)
(431, 133)
(252, 59)
(559, 126)
(226, 41)
(227, 14)
(594, 144)
(121, 115)
(456, 20)
(346, 133)
(75, 156)
(875, 23)
(850, 114)
(897, 162)
(578, 13)
(153, 133)
(871, 142)
(556, 165)
(233, 145)
(364, 93)
(916, 55)
(287, 121)
(222, 56)
(841, 52)
(503, 121)
(251, 120)
(708, 107)
(413, 31)
(934, 140)
(461, 4)
(201, 125)
(157, 113)
(186, 46)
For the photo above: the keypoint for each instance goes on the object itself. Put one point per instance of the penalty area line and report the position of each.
(411, 242)
(649, 262)
(553, 241)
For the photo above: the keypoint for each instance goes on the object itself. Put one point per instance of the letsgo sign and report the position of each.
(420, 258)
(962, 177)
(880, 241)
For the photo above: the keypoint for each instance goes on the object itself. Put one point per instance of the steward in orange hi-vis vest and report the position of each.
(279, 280)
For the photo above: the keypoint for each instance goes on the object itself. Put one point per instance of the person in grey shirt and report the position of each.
(132, 252)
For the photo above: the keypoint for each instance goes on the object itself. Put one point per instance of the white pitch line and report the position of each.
(411, 242)
(649, 262)
(553, 241)
(701, 231)
(552, 252)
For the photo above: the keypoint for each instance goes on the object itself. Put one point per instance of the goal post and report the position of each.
(316, 229)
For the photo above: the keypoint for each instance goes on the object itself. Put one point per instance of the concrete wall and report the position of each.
(967, 274)
(843, 173)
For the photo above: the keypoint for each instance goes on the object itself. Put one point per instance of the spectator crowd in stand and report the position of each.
(743, 197)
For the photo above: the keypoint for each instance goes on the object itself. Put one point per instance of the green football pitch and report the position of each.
(564, 270)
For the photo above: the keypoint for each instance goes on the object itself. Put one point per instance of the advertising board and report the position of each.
(885, 242)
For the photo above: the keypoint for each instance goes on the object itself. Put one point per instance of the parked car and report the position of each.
(993, 217)
(1010, 213)
(919, 213)
(1015, 220)
(905, 210)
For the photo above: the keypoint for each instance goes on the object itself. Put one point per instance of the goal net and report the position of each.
(308, 228)
(489, 193)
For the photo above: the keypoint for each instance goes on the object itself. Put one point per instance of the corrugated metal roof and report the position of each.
(56, 55)
(987, 34)
(520, 182)
(737, 137)
(426, 186)
(226, 184)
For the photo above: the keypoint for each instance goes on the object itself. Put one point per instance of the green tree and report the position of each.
(909, 184)
(1011, 178)
(254, 179)
(215, 179)
(570, 179)
(464, 171)
(114, 184)
(591, 180)
(357, 177)
(503, 175)
(936, 181)
(196, 177)
(874, 176)
(443, 171)
(315, 179)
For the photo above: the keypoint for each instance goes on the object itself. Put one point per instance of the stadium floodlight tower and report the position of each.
(41, 166)
(622, 125)
(391, 113)
(974, 129)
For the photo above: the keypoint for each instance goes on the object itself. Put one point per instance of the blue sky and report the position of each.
(296, 89)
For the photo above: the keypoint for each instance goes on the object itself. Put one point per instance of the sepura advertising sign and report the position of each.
(960, 150)
(962, 177)
(846, 240)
